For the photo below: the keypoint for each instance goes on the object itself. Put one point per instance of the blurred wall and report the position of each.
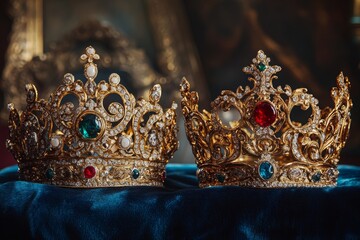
(312, 40)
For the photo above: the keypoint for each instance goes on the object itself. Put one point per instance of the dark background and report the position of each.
(311, 40)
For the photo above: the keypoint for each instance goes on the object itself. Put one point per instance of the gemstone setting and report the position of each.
(266, 170)
(152, 139)
(264, 113)
(220, 177)
(55, 142)
(89, 172)
(124, 142)
(91, 71)
(316, 177)
(135, 173)
(49, 174)
(261, 66)
(89, 126)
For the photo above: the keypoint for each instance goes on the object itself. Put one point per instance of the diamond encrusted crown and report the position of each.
(94, 140)
(265, 147)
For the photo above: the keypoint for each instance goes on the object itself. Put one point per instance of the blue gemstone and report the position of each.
(89, 126)
(49, 173)
(135, 173)
(266, 170)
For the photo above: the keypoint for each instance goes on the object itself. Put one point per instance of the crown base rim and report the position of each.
(274, 184)
(93, 172)
(110, 184)
(248, 174)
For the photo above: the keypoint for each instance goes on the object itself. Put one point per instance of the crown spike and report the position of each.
(90, 68)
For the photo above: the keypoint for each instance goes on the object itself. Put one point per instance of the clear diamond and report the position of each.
(90, 87)
(152, 139)
(103, 87)
(155, 93)
(295, 173)
(10, 106)
(68, 78)
(55, 142)
(78, 88)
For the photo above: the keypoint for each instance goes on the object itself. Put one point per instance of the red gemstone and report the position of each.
(89, 172)
(264, 113)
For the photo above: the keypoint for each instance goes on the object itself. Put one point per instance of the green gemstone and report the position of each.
(261, 67)
(49, 173)
(316, 177)
(89, 126)
(220, 177)
(135, 173)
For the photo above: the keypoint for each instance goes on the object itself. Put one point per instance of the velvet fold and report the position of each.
(180, 210)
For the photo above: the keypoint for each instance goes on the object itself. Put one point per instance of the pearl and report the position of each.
(114, 79)
(125, 142)
(55, 142)
(91, 71)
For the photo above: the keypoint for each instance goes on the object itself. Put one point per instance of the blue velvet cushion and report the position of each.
(180, 210)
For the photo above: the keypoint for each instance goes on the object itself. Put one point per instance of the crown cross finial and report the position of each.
(90, 68)
(263, 73)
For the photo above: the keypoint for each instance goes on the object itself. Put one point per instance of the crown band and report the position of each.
(94, 172)
(266, 173)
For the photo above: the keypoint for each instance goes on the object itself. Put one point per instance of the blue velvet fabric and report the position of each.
(180, 210)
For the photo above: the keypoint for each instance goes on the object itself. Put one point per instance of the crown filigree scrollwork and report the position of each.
(77, 138)
(265, 147)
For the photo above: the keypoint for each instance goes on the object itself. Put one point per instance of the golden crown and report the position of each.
(85, 143)
(265, 147)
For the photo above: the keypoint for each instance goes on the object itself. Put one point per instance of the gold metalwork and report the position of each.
(45, 138)
(296, 154)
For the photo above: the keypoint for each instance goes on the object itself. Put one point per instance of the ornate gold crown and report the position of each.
(88, 144)
(265, 147)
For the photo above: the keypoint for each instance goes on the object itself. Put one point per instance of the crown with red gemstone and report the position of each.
(93, 140)
(264, 146)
